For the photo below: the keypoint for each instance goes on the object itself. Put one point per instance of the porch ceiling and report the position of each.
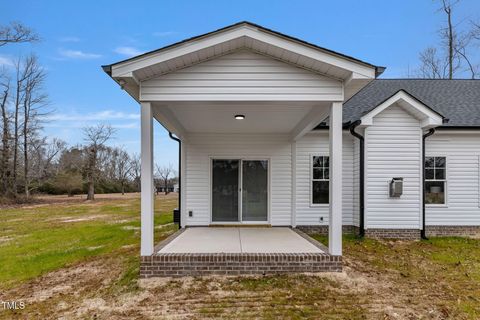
(185, 118)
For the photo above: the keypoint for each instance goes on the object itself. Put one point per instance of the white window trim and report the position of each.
(316, 205)
(439, 205)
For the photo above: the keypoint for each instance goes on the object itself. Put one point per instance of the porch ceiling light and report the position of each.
(239, 116)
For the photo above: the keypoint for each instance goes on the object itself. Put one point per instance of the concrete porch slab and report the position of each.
(200, 251)
(239, 240)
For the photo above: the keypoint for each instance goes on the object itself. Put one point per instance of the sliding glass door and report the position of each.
(239, 190)
(225, 191)
(254, 190)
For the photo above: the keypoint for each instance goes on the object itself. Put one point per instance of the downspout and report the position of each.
(426, 135)
(361, 139)
(179, 174)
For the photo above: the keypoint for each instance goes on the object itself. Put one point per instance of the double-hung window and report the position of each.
(320, 179)
(435, 180)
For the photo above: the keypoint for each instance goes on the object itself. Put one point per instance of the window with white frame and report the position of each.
(320, 179)
(435, 180)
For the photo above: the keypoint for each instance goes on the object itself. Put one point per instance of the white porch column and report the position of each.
(147, 192)
(335, 216)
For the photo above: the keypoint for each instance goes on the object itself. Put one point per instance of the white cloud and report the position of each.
(6, 61)
(105, 115)
(131, 125)
(128, 51)
(77, 54)
(69, 39)
(164, 33)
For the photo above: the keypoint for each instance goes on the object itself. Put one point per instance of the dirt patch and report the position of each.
(66, 289)
(85, 291)
(83, 218)
(6, 239)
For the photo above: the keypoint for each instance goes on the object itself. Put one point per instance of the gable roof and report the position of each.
(354, 73)
(456, 100)
(418, 109)
(378, 69)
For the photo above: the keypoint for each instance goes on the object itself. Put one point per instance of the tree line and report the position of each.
(31, 162)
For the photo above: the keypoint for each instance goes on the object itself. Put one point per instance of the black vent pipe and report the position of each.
(426, 135)
(361, 139)
(179, 175)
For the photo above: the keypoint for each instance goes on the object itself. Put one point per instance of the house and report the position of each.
(278, 132)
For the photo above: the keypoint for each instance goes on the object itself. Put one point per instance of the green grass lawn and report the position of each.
(39, 239)
(80, 260)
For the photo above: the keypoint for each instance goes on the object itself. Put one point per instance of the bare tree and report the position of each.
(16, 32)
(164, 173)
(475, 30)
(33, 101)
(44, 158)
(135, 169)
(22, 70)
(431, 66)
(123, 168)
(51, 151)
(5, 155)
(95, 137)
(454, 55)
(448, 36)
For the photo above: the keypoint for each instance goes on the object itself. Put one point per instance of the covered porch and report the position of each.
(239, 99)
(226, 162)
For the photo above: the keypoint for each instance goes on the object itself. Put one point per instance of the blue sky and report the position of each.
(80, 36)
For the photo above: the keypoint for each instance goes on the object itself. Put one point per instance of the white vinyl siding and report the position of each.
(462, 151)
(201, 148)
(317, 143)
(242, 75)
(393, 149)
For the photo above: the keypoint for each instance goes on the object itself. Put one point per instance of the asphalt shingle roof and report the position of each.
(456, 100)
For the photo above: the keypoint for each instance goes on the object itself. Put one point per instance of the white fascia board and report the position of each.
(127, 67)
(430, 119)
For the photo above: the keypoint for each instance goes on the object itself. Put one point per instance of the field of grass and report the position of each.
(36, 239)
(79, 260)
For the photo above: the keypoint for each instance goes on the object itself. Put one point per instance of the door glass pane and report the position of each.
(254, 190)
(225, 190)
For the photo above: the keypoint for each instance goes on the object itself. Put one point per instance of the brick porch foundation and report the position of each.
(199, 264)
